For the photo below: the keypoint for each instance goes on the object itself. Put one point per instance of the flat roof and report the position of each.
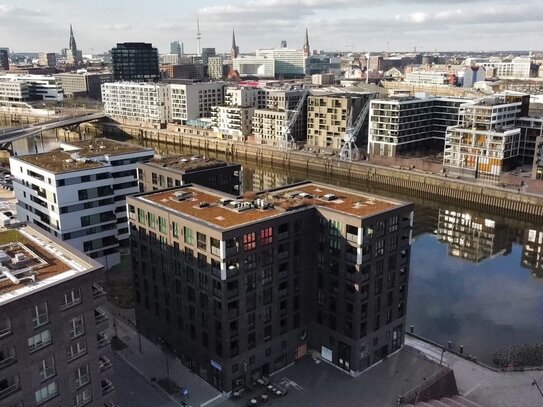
(187, 164)
(104, 146)
(205, 204)
(58, 162)
(49, 261)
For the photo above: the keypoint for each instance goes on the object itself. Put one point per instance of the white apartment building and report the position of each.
(518, 67)
(13, 91)
(401, 125)
(262, 66)
(173, 59)
(194, 101)
(130, 102)
(40, 87)
(234, 122)
(486, 141)
(78, 193)
(245, 97)
(268, 126)
(427, 77)
(215, 68)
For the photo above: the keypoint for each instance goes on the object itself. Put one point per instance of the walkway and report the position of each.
(484, 386)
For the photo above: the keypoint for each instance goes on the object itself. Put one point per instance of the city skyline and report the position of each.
(335, 25)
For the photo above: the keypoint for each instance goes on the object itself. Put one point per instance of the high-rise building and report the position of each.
(284, 44)
(77, 194)
(176, 47)
(251, 285)
(215, 69)
(47, 59)
(234, 50)
(189, 70)
(206, 54)
(54, 340)
(129, 102)
(73, 55)
(135, 62)
(306, 49)
(4, 59)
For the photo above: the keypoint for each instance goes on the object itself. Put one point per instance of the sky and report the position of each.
(334, 25)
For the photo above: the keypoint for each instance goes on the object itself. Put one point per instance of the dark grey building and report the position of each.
(167, 172)
(53, 327)
(241, 287)
(135, 61)
(4, 59)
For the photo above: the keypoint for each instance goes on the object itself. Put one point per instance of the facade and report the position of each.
(40, 87)
(245, 97)
(47, 59)
(83, 84)
(77, 194)
(168, 172)
(215, 68)
(234, 122)
(54, 342)
(261, 66)
(250, 286)
(194, 101)
(170, 59)
(531, 128)
(518, 67)
(486, 140)
(428, 77)
(4, 60)
(328, 116)
(176, 47)
(130, 102)
(183, 71)
(135, 62)
(323, 64)
(206, 54)
(537, 169)
(289, 63)
(13, 90)
(404, 125)
(472, 75)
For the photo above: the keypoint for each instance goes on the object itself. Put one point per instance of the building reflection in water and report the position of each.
(532, 252)
(260, 179)
(472, 237)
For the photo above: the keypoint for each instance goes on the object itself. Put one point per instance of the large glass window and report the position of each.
(46, 392)
(249, 241)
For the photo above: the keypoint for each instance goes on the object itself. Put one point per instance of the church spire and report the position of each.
(72, 45)
(234, 51)
(307, 50)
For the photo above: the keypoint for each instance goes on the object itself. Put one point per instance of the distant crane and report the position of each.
(288, 141)
(349, 150)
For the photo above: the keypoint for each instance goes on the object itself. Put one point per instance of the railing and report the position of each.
(5, 331)
(9, 390)
(7, 361)
(97, 291)
(107, 387)
(103, 341)
(105, 363)
(100, 316)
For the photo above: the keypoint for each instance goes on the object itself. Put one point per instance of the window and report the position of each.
(47, 368)
(266, 236)
(162, 225)
(393, 224)
(40, 315)
(215, 246)
(175, 229)
(335, 228)
(249, 241)
(141, 216)
(77, 327)
(46, 392)
(39, 341)
(151, 220)
(82, 376)
(83, 396)
(187, 235)
(201, 241)
(71, 298)
(76, 349)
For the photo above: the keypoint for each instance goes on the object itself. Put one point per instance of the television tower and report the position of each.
(198, 37)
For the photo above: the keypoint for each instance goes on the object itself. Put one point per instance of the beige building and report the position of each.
(215, 69)
(233, 122)
(194, 101)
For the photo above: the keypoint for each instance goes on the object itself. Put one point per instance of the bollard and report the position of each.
(450, 344)
(461, 349)
(411, 329)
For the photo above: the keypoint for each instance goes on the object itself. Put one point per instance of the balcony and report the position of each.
(5, 331)
(100, 316)
(102, 340)
(97, 291)
(104, 363)
(107, 386)
(111, 403)
(7, 361)
(10, 389)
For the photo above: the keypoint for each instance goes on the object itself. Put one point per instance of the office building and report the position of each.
(189, 70)
(260, 65)
(240, 288)
(323, 64)
(47, 59)
(170, 59)
(486, 141)
(4, 59)
(77, 194)
(176, 48)
(472, 75)
(518, 67)
(428, 77)
(194, 101)
(404, 125)
(83, 84)
(73, 55)
(167, 172)
(206, 54)
(135, 61)
(135, 103)
(288, 63)
(13, 91)
(40, 87)
(233, 123)
(215, 69)
(54, 341)
(328, 116)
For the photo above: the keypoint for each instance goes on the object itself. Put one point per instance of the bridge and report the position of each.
(7, 136)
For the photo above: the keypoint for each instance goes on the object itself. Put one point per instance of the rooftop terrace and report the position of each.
(58, 162)
(103, 146)
(30, 261)
(226, 212)
(187, 164)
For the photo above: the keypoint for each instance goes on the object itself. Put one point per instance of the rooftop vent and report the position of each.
(203, 204)
(329, 197)
(181, 195)
(306, 195)
(225, 201)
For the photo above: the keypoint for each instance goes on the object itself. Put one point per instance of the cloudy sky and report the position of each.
(341, 25)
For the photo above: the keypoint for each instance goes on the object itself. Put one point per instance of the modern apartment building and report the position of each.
(40, 87)
(245, 97)
(240, 288)
(13, 91)
(187, 70)
(215, 70)
(83, 84)
(135, 103)
(486, 141)
(53, 328)
(4, 59)
(518, 67)
(406, 124)
(194, 101)
(135, 61)
(77, 194)
(167, 172)
(328, 117)
(234, 123)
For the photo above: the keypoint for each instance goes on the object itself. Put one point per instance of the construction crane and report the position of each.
(349, 150)
(288, 141)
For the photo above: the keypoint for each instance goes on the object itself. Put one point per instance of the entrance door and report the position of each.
(344, 356)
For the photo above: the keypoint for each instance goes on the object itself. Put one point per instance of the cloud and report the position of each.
(117, 27)
(7, 11)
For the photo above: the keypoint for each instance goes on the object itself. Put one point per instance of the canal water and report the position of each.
(476, 278)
